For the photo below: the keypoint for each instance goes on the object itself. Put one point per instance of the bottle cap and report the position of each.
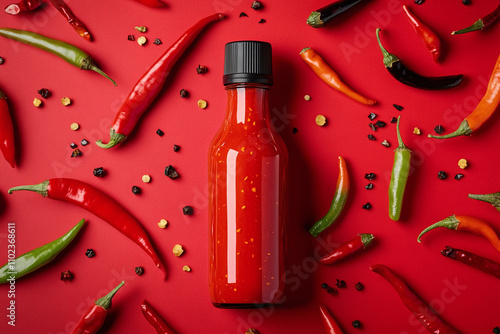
(248, 61)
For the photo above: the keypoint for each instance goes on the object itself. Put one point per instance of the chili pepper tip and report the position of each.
(114, 139)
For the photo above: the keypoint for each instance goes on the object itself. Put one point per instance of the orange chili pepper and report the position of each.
(467, 224)
(328, 75)
(483, 111)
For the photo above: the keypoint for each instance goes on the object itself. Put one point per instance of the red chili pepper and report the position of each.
(430, 320)
(93, 319)
(152, 3)
(71, 18)
(482, 23)
(430, 38)
(473, 260)
(98, 203)
(355, 245)
(155, 319)
(467, 224)
(150, 84)
(331, 326)
(7, 144)
(23, 6)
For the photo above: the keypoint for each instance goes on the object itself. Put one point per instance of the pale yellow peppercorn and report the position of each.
(462, 163)
(178, 250)
(416, 131)
(186, 268)
(66, 101)
(141, 29)
(307, 97)
(146, 178)
(74, 126)
(37, 102)
(162, 223)
(202, 104)
(142, 40)
(321, 120)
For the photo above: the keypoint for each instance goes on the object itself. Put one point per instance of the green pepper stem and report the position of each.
(478, 25)
(40, 188)
(401, 145)
(114, 139)
(463, 130)
(314, 20)
(493, 199)
(304, 50)
(105, 302)
(98, 70)
(366, 239)
(450, 222)
(389, 58)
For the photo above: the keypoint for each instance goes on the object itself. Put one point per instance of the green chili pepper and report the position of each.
(66, 51)
(37, 258)
(493, 199)
(399, 176)
(338, 202)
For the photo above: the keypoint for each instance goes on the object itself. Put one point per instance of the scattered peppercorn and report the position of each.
(370, 176)
(439, 129)
(394, 120)
(201, 69)
(157, 41)
(357, 323)
(416, 131)
(372, 126)
(359, 286)
(369, 186)
(398, 107)
(67, 276)
(141, 29)
(160, 133)
(66, 101)
(462, 163)
(187, 210)
(131, 37)
(74, 126)
(141, 40)
(324, 286)
(496, 330)
(256, 5)
(367, 206)
(243, 14)
(386, 143)
(459, 176)
(380, 124)
(76, 153)
(467, 2)
(295, 130)
(90, 253)
(372, 116)
(73, 145)
(321, 120)
(37, 102)
(178, 250)
(99, 172)
(371, 137)
(252, 331)
(171, 172)
(442, 175)
(176, 148)
(139, 271)
(84, 142)
(136, 190)
(419, 2)
(262, 21)
(146, 178)
(202, 104)
(184, 93)
(341, 284)
(1, 60)
(44, 92)
(186, 268)
(332, 291)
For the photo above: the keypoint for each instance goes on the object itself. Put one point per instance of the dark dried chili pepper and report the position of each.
(401, 73)
(467, 224)
(331, 326)
(399, 177)
(66, 51)
(473, 260)
(493, 199)
(427, 317)
(7, 140)
(428, 36)
(150, 85)
(155, 319)
(355, 245)
(482, 23)
(325, 14)
(95, 201)
(338, 202)
(483, 111)
(23, 6)
(73, 21)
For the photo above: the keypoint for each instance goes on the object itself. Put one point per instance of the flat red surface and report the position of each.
(465, 297)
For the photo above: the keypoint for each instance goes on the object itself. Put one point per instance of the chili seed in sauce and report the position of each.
(201, 69)
(256, 5)
(187, 210)
(136, 190)
(359, 286)
(67, 275)
(459, 176)
(131, 37)
(398, 107)
(394, 120)
(372, 116)
(184, 93)
(139, 271)
(37, 102)
(157, 41)
(262, 21)
(84, 142)
(171, 172)
(442, 175)
(356, 324)
(176, 148)
(98, 172)
(243, 14)
(73, 145)
(367, 206)
(90, 253)
(371, 137)
(372, 126)
(439, 129)
(44, 92)
(380, 124)
(341, 284)
(160, 133)
(370, 176)
(369, 186)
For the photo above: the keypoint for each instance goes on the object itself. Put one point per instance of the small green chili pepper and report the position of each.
(493, 199)
(338, 201)
(66, 51)
(399, 176)
(37, 258)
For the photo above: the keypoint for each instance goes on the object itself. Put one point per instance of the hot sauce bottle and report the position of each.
(247, 179)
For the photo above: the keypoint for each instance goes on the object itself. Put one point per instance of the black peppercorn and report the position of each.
(367, 206)
(369, 186)
(370, 176)
(341, 284)
(496, 330)
(73, 145)
(419, 2)
(157, 41)
(187, 210)
(171, 172)
(466, 2)
(201, 69)
(295, 130)
(67, 276)
(394, 120)
(359, 286)
(371, 137)
(131, 37)
(90, 253)
(98, 172)
(84, 142)
(176, 148)
(324, 286)
(380, 124)
(243, 14)
(442, 175)
(136, 190)
(439, 129)
(262, 21)
(372, 126)
(1, 60)
(160, 133)
(256, 5)
(356, 324)
(139, 271)
(184, 93)
(332, 291)
(398, 107)
(44, 92)
(372, 116)
(459, 176)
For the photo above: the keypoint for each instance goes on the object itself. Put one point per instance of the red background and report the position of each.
(45, 304)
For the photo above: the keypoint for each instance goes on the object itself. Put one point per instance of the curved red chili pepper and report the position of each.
(430, 38)
(482, 23)
(152, 3)
(357, 244)
(331, 326)
(98, 203)
(93, 319)
(22, 6)
(7, 144)
(430, 320)
(71, 18)
(150, 84)
(473, 260)
(155, 319)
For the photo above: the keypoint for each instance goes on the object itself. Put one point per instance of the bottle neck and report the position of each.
(247, 103)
